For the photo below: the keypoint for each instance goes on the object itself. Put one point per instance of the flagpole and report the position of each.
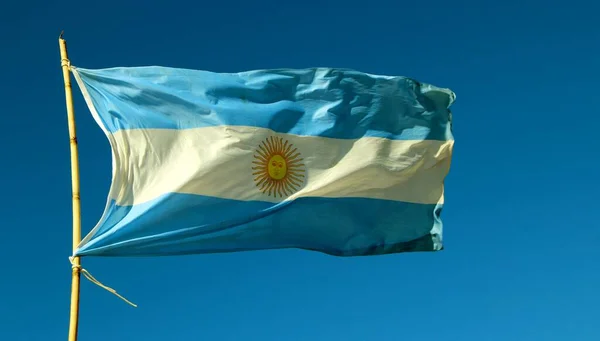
(76, 268)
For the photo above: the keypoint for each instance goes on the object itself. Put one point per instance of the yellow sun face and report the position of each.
(278, 168)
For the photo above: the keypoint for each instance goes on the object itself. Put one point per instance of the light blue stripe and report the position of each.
(188, 224)
(326, 102)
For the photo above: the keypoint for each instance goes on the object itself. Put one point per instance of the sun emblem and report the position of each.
(278, 168)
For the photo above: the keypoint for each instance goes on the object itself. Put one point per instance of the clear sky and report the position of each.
(520, 230)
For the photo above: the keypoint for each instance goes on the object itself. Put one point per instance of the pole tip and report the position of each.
(61, 34)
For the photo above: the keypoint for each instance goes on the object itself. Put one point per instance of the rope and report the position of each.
(65, 62)
(97, 282)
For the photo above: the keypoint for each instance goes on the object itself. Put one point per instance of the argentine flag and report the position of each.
(331, 160)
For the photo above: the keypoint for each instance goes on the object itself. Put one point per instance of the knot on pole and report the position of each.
(77, 267)
(65, 62)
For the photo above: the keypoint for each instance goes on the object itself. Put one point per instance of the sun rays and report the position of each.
(278, 168)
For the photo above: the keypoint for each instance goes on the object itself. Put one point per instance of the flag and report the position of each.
(324, 159)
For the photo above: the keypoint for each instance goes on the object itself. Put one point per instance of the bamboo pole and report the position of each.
(76, 268)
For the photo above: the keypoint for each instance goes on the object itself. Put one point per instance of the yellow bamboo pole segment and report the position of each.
(76, 268)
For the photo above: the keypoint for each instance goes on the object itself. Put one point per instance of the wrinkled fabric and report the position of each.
(331, 160)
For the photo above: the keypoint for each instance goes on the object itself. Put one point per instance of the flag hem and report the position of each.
(114, 156)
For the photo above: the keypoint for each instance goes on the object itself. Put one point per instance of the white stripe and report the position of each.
(217, 161)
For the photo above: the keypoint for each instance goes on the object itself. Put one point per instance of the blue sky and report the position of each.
(520, 258)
